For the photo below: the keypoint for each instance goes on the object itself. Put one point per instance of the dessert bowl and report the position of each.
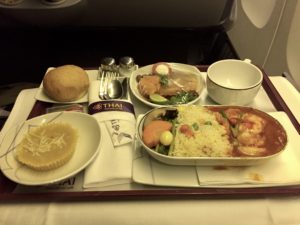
(87, 148)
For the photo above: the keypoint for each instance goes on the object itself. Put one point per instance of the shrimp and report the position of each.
(252, 123)
(252, 151)
(250, 130)
(250, 139)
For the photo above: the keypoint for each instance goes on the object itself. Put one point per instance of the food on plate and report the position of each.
(156, 98)
(161, 69)
(168, 86)
(166, 138)
(214, 131)
(48, 146)
(66, 83)
(153, 130)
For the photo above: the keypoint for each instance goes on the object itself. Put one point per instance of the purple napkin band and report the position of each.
(105, 106)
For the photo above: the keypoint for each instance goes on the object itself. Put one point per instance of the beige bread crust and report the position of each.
(66, 83)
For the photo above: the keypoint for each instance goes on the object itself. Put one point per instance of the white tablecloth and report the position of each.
(265, 211)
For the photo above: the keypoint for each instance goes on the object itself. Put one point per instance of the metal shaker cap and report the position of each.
(126, 62)
(108, 63)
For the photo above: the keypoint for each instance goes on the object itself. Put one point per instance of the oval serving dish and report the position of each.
(248, 136)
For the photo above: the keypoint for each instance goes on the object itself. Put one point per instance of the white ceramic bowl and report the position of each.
(86, 150)
(175, 66)
(233, 82)
(201, 161)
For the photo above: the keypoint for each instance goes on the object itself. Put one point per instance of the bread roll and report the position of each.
(66, 83)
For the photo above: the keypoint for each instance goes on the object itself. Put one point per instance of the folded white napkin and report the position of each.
(278, 171)
(282, 169)
(116, 118)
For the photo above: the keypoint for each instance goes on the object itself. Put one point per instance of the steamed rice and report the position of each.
(209, 139)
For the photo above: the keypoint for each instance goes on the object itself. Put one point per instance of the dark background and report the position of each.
(33, 40)
(26, 53)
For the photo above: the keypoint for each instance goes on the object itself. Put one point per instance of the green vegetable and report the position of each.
(234, 130)
(183, 97)
(223, 114)
(164, 80)
(195, 126)
(162, 149)
(208, 123)
(174, 125)
(170, 115)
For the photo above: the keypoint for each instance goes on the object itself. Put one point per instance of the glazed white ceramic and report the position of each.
(86, 149)
(233, 82)
(175, 66)
(199, 161)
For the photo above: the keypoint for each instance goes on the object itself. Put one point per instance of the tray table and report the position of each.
(70, 190)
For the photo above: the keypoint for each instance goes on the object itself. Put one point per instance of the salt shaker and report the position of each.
(126, 66)
(108, 63)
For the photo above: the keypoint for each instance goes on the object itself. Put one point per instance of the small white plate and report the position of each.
(177, 66)
(86, 150)
(42, 96)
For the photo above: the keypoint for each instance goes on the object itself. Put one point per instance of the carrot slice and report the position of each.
(153, 130)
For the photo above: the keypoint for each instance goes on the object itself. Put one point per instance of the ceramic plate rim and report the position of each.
(179, 66)
(206, 161)
(21, 129)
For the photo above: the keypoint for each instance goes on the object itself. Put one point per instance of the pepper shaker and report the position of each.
(126, 66)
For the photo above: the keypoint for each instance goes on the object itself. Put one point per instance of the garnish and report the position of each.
(156, 98)
(195, 126)
(164, 80)
(162, 149)
(183, 97)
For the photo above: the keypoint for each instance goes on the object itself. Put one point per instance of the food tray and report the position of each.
(8, 188)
